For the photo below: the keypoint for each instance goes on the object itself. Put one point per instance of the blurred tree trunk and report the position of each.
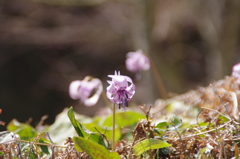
(230, 37)
(210, 26)
(142, 24)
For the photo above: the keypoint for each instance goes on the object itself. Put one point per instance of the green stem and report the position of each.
(113, 131)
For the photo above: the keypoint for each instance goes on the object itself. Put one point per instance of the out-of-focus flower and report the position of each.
(137, 61)
(84, 89)
(236, 71)
(120, 90)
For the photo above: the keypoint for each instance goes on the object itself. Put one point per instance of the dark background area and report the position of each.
(44, 46)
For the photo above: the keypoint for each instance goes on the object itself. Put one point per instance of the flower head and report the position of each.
(120, 90)
(236, 71)
(137, 61)
(83, 89)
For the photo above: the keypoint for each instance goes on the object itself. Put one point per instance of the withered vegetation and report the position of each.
(214, 132)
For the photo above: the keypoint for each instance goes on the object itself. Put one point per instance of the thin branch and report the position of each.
(104, 136)
(224, 104)
(130, 151)
(190, 136)
(225, 108)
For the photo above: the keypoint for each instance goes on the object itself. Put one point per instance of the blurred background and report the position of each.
(44, 45)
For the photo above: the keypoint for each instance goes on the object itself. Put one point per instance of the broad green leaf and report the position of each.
(104, 130)
(32, 156)
(124, 119)
(77, 126)
(93, 149)
(159, 132)
(202, 124)
(62, 128)
(148, 144)
(162, 124)
(44, 148)
(25, 131)
(176, 121)
(82, 131)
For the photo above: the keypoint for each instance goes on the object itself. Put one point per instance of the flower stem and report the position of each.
(113, 128)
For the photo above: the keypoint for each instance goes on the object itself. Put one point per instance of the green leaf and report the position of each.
(25, 131)
(203, 124)
(222, 118)
(177, 121)
(62, 128)
(162, 124)
(124, 119)
(93, 149)
(82, 131)
(77, 126)
(44, 148)
(148, 144)
(32, 156)
(104, 130)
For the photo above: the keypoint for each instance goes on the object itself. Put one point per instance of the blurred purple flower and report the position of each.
(236, 71)
(83, 89)
(137, 61)
(120, 90)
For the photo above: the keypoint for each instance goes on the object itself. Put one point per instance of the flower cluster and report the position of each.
(120, 90)
(137, 61)
(82, 90)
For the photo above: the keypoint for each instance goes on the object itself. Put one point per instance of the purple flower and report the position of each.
(120, 90)
(83, 89)
(137, 61)
(236, 71)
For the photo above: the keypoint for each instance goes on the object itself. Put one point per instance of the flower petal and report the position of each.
(120, 90)
(111, 89)
(82, 90)
(74, 89)
(137, 61)
(236, 71)
(120, 82)
(96, 84)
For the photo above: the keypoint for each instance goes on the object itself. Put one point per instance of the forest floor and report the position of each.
(202, 123)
